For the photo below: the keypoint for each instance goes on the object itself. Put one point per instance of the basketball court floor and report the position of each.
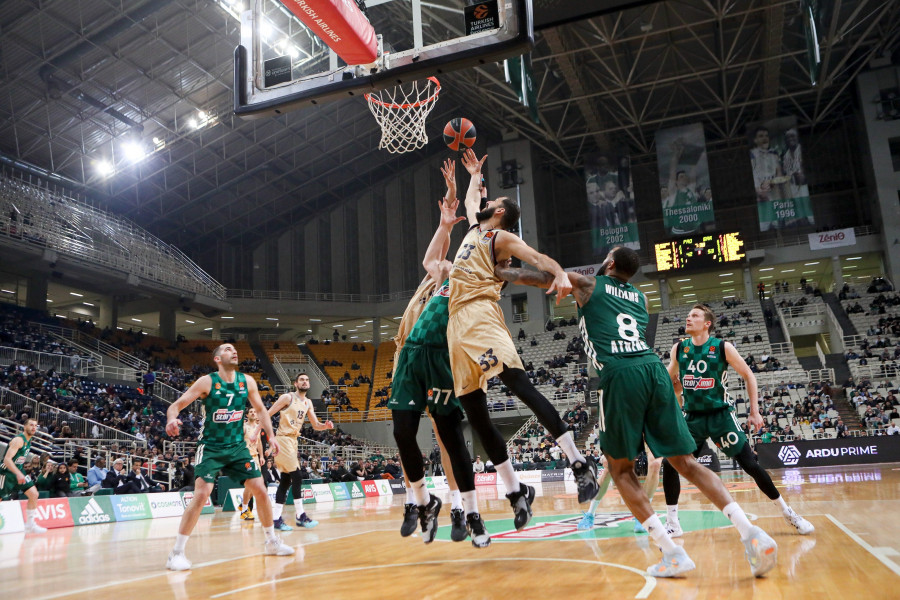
(357, 551)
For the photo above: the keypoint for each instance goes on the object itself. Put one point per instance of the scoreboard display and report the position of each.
(699, 252)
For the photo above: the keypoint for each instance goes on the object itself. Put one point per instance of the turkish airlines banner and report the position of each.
(832, 239)
(341, 25)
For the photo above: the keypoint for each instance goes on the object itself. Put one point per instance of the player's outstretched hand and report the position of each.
(449, 172)
(562, 286)
(471, 162)
(448, 212)
(273, 448)
(173, 428)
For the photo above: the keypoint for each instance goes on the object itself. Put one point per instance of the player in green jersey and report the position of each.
(12, 479)
(637, 404)
(224, 394)
(699, 369)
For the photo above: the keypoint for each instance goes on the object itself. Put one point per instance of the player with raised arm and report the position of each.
(699, 370)
(224, 394)
(254, 445)
(423, 381)
(480, 344)
(295, 408)
(637, 404)
(12, 479)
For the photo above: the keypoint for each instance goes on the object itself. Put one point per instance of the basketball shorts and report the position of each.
(720, 425)
(636, 404)
(480, 345)
(8, 484)
(233, 461)
(422, 379)
(287, 460)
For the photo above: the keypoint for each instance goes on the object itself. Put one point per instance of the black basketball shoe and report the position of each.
(458, 531)
(428, 518)
(410, 520)
(586, 478)
(479, 533)
(521, 504)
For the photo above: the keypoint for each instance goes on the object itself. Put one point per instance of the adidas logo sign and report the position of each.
(92, 513)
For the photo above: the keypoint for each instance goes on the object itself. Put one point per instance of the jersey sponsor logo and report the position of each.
(223, 415)
(689, 382)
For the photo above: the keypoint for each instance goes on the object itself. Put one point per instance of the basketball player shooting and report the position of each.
(480, 344)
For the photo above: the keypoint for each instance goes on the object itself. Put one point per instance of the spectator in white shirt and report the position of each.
(478, 466)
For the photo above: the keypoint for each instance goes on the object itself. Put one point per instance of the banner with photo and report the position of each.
(610, 196)
(779, 174)
(687, 198)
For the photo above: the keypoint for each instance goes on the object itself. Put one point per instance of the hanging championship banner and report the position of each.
(610, 197)
(779, 174)
(687, 198)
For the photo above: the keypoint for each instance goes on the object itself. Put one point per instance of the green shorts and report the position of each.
(8, 484)
(423, 379)
(233, 461)
(720, 425)
(637, 403)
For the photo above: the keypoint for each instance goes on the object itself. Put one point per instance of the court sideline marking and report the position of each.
(195, 566)
(649, 581)
(878, 553)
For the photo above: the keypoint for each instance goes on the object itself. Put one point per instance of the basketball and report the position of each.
(459, 132)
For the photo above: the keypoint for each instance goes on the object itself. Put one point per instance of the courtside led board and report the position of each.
(414, 40)
(699, 251)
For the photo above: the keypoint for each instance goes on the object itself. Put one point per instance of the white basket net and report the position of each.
(401, 112)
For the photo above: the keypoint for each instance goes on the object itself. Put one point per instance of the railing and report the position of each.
(520, 317)
(800, 240)
(105, 371)
(282, 372)
(853, 341)
(180, 447)
(34, 215)
(44, 413)
(821, 354)
(269, 337)
(310, 366)
(43, 361)
(317, 296)
(158, 471)
(91, 344)
(875, 372)
(782, 347)
(520, 432)
(820, 375)
(95, 356)
(10, 429)
(781, 323)
(166, 392)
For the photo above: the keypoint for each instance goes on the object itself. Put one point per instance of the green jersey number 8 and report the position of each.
(628, 328)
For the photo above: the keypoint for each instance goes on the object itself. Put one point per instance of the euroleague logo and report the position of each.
(481, 11)
(689, 382)
(789, 455)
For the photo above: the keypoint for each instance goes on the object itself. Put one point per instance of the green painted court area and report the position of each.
(606, 526)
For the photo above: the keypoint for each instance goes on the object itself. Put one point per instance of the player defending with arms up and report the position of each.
(12, 479)
(295, 407)
(637, 403)
(224, 393)
(699, 369)
(480, 344)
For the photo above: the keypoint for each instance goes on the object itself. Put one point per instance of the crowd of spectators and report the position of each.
(537, 449)
(880, 409)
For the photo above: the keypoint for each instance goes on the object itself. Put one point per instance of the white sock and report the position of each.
(470, 502)
(508, 476)
(455, 500)
(420, 492)
(29, 515)
(672, 513)
(780, 503)
(180, 543)
(737, 517)
(594, 504)
(276, 511)
(659, 534)
(410, 496)
(567, 442)
(270, 532)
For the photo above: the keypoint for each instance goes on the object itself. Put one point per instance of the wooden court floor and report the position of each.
(357, 552)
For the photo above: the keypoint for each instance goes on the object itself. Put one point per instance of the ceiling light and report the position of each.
(768, 269)
(87, 303)
(808, 273)
(682, 280)
(309, 331)
(341, 325)
(104, 168)
(133, 151)
(851, 267)
(645, 285)
(395, 318)
(726, 274)
(135, 320)
(144, 333)
(60, 316)
(76, 294)
(316, 320)
(732, 296)
(383, 326)
(7, 291)
(354, 337)
(49, 300)
(188, 321)
(119, 328)
(192, 123)
(729, 290)
(271, 319)
(688, 287)
(369, 321)
(208, 329)
(227, 317)
(729, 281)
(787, 270)
(854, 258)
(766, 277)
(810, 264)
(686, 295)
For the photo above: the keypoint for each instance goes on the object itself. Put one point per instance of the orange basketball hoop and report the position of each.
(401, 113)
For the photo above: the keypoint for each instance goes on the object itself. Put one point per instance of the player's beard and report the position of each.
(483, 215)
